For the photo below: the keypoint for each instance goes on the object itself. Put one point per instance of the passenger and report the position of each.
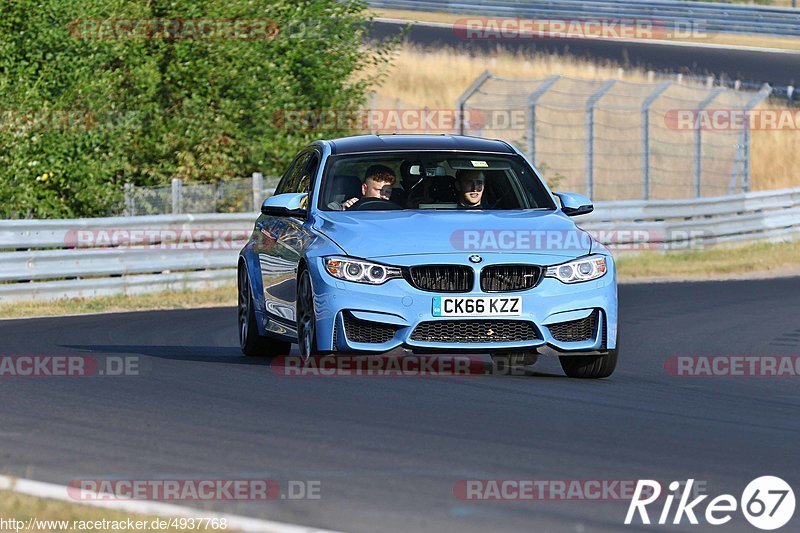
(378, 184)
(408, 181)
(469, 186)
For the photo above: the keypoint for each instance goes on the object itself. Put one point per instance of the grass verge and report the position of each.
(749, 260)
(60, 517)
(758, 260)
(219, 296)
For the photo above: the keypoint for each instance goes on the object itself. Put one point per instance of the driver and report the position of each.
(378, 184)
(469, 185)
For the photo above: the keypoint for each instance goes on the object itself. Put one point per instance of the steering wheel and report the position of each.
(497, 202)
(375, 204)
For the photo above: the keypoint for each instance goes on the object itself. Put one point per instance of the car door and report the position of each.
(280, 246)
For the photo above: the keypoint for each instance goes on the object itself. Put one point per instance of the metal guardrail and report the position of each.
(708, 16)
(39, 234)
(682, 224)
(51, 259)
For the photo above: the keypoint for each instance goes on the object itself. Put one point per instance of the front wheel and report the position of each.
(251, 343)
(306, 319)
(589, 366)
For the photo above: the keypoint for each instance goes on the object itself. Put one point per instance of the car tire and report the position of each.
(589, 366)
(251, 343)
(306, 318)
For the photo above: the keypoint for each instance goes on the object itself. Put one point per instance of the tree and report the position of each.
(93, 95)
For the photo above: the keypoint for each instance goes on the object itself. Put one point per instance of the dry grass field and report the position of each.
(436, 78)
(53, 516)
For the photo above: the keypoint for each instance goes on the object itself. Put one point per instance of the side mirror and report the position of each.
(289, 204)
(573, 204)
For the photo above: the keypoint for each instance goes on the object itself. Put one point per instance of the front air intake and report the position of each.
(575, 330)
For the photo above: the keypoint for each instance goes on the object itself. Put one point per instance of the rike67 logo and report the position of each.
(767, 503)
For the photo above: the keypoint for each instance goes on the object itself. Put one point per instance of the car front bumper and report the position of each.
(565, 318)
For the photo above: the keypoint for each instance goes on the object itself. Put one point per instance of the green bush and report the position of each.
(82, 112)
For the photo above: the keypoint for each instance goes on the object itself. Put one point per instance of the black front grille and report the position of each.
(364, 331)
(475, 331)
(442, 278)
(575, 330)
(504, 278)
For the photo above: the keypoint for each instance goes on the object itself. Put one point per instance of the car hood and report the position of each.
(378, 234)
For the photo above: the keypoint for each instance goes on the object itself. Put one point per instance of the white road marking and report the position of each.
(52, 491)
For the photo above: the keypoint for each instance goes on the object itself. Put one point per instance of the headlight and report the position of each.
(360, 271)
(583, 269)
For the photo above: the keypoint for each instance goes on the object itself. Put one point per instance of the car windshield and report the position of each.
(431, 180)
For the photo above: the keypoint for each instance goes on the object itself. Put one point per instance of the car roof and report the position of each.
(394, 142)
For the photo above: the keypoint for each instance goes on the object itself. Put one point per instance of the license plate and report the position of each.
(477, 306)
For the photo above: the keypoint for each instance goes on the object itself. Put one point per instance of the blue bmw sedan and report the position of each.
(424, 244)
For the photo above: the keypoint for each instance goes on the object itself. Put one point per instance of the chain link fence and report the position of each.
(617, 140)
(230, 196)
(611, 139)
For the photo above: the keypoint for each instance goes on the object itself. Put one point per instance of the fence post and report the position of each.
(663, 86)
(372, 97)
(742, 162)
(698, 141)
(590, 103)
(462, 100)
(258, 190)
(764, 93)
(128, 193)
(533, 99)
(177, 196)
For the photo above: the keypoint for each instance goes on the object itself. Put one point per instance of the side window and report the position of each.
(281, 188)
(291, 179)
(307, 177)
(306, 183)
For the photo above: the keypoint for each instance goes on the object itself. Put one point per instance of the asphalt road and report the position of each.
(778, 69)
(388, 451)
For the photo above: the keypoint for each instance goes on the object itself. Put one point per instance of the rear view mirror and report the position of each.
(285, 205)
(574, 204)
